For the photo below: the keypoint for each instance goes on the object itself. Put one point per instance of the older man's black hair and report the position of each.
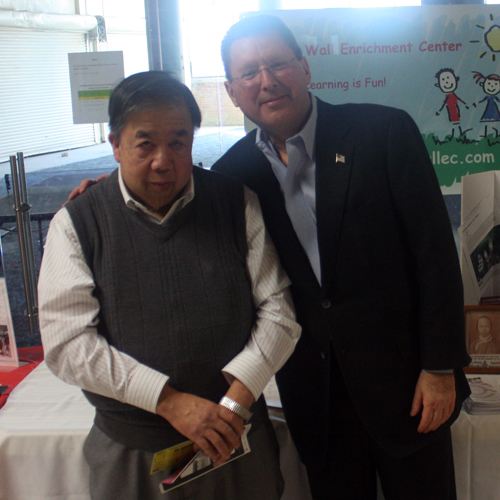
(150, 89)
(254, 26)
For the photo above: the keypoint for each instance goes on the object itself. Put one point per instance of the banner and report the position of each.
(439, 63)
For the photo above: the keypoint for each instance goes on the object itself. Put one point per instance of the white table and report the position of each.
(45, 422)
(42, 430)
(476, 451)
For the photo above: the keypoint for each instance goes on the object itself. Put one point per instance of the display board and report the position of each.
(439, 63)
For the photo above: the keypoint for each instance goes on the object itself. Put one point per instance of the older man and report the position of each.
(353, 205)
(160, 294)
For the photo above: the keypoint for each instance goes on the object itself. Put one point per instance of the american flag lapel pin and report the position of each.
(339, 158)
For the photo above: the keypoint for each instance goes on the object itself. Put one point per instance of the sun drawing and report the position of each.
(491, 39)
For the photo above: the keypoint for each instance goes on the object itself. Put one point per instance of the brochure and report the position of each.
(201, 464)
(485, 395)
(172, 458)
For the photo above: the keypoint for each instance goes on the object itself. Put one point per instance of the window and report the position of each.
(323, 4)
(205, 24)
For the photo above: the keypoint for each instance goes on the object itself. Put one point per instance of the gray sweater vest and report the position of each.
(176, 297)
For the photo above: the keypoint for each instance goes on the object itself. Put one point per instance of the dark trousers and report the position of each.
(355, 459)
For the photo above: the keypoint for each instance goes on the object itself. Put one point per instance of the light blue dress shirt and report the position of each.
(298, 183)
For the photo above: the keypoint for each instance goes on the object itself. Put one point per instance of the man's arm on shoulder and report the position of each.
(276, 332)
(84, 185)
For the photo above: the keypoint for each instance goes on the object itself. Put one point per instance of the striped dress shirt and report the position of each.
(77, 354)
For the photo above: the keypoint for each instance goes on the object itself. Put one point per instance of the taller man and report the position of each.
(353, 205)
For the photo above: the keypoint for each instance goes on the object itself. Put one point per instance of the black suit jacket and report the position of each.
(391, 300)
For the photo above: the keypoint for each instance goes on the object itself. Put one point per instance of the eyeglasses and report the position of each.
(277, 69)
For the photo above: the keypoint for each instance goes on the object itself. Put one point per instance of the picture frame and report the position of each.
(8, 351)
(482, 336)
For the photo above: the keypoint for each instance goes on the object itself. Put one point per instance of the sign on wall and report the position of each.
(93, 76)
(439, 63)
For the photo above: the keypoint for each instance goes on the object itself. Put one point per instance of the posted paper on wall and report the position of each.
(480, 234)
(93, 76)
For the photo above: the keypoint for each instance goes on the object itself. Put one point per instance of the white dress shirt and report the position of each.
(77, 354)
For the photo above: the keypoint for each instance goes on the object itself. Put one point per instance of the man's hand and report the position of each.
(85, 184)
(435, 393)
(215, 429)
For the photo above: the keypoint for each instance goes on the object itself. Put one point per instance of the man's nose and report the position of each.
(267, 79)
(162, 160)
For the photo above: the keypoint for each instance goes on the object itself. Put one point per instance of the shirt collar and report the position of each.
(307, 133)
(137, 206)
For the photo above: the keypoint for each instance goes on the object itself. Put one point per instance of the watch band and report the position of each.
(236, 408)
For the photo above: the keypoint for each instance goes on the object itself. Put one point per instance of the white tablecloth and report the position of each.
(42, 430)
(476, 451)
(45, 422)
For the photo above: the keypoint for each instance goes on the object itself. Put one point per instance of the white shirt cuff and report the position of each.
(145, 387)
(251, 370)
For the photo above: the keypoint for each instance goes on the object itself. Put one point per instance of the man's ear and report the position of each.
(436, 85)
(115, 143)
(230, 92)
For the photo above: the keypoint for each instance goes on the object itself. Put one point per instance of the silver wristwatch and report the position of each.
(236, 408)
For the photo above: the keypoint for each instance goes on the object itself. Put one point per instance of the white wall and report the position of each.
(112, 8)
(107, 8)
(46, 6)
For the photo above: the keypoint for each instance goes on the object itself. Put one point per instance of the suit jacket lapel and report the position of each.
(334, 157)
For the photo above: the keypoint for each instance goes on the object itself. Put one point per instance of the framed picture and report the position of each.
(8, 351)
(482, 334)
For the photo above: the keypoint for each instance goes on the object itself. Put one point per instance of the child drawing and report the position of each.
(448, 83)
(491, 87)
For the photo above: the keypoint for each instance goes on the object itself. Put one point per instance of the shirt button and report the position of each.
(326, 304)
